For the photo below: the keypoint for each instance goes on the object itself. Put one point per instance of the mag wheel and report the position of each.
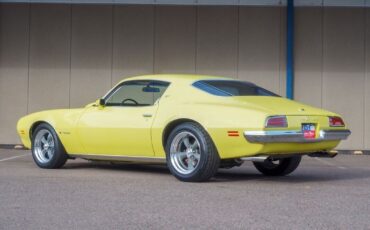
(191, 155)
(47, 150)
(279, 167)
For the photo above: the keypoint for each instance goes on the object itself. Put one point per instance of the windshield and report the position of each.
(232, 88)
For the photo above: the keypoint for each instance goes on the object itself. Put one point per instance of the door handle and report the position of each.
(147, 115)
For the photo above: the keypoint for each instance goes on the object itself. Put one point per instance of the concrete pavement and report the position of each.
(320, 194)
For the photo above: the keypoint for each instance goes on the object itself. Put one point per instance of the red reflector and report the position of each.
(277, 121)
(233, 133)
(336, 122)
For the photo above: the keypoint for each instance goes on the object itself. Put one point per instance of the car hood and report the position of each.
(276, 105)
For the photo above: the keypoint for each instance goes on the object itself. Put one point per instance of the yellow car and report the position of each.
(196, 124)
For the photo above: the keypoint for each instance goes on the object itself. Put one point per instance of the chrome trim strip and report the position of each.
(120, 158)
(294, 136)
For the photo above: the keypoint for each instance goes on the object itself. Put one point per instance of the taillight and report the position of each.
(336, 122)
(276, 121)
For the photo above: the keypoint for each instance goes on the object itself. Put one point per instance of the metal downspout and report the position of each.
(290, 50)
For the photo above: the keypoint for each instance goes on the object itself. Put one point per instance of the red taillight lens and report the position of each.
(336, 122)
(276, 121)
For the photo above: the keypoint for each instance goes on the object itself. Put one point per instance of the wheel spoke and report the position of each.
(197, 156)
(187, 142)
(45, 154)
(190, 164)
(181, 155)
(50, 153)
(49, 138)
(195, 145)
(43, 140)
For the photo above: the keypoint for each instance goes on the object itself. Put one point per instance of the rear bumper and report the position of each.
(294, 136)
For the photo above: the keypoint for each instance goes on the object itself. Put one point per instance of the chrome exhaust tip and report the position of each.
(255, 159)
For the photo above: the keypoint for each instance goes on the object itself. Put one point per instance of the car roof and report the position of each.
(177, 77)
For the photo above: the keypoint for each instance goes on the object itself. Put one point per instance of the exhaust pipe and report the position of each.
(323, 154)
(255, 159)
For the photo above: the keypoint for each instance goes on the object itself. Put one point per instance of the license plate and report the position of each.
(309, 131)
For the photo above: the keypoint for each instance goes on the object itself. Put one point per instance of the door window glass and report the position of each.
(137, 93)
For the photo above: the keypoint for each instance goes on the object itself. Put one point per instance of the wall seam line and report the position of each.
(322, 53)
(365, 77)
(29, 57)
(196, 40)
(280, 44)
(154, 35)
(112, 46)
(237, 42)
(70, 56)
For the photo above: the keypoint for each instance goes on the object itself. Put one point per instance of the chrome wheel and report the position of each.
(44, 146)
(185, 152)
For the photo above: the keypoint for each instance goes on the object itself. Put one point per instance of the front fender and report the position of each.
(63, 122)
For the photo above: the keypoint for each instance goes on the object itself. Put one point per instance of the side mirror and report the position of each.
(100, 102)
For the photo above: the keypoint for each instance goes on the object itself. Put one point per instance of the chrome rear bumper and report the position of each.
(294, 136)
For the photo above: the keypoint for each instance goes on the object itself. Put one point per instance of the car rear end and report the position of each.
(248, 120)
(298, 134)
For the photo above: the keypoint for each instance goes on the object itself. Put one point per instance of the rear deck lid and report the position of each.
(277, 105)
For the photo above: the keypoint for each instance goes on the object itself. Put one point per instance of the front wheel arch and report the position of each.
(35, 125)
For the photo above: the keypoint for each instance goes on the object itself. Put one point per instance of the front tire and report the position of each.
(280, 167)
(191, 154)
(47, 150)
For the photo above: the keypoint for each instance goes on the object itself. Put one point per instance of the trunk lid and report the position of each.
(277, 106)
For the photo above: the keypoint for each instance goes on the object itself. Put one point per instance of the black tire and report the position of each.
(284, 166)
(209, 160)
(59, 156)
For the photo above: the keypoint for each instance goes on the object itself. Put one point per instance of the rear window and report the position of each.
(232, 88)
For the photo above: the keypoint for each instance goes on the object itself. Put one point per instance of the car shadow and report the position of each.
(132, 167)
(301, 175)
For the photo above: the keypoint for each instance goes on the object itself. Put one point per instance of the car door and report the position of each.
(122, 126)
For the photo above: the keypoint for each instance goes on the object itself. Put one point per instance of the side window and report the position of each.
(160, 88)
(136, 93)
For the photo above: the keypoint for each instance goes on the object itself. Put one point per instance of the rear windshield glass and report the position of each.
(232, 88)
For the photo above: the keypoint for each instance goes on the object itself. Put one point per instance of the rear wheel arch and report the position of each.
(170, 126)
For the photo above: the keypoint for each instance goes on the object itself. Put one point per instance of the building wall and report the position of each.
(57, 56)
(331, 62)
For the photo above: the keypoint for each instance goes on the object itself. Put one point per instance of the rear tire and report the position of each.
(191, 154)
(47, 150)
(279, 167)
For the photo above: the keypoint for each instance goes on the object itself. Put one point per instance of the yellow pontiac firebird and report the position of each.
(196, 124)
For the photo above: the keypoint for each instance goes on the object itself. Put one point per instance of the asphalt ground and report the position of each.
(320, 194)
